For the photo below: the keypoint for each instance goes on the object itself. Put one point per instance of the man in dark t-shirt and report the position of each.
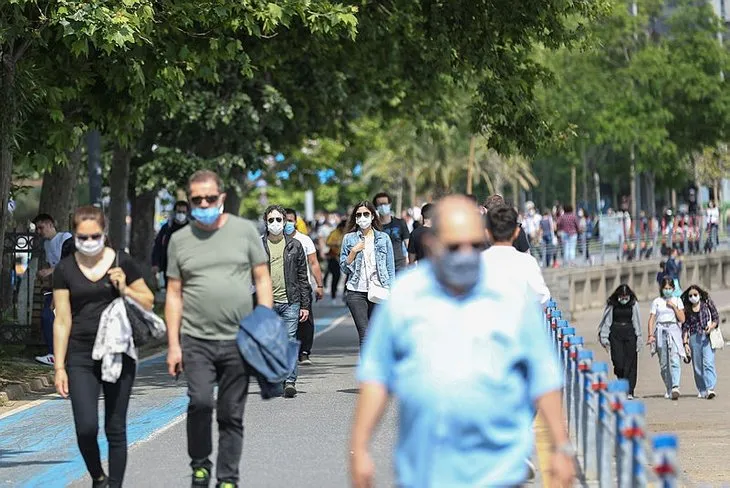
(395, 228)
(418, 243)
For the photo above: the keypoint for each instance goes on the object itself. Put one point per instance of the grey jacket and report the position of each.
(298, 289)
(604, 328)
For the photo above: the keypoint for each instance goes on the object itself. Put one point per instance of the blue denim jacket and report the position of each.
(384, 258)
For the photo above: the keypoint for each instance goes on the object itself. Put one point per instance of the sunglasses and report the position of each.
(271, 220)
(85, 237)
(210, 199)
(477, 246)
(362, 214)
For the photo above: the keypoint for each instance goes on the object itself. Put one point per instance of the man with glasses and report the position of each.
(469, 363)
(210, 263)
(314, 273)
(288, 265)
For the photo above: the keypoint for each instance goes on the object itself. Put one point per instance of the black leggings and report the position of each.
(333, 268)
(85, 384)
(361, 309)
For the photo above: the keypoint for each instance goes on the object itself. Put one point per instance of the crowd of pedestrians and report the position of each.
(413, 288)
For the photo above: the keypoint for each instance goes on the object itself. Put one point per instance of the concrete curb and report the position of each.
(45, 384)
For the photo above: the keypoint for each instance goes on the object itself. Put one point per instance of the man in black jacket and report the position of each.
(290, 282)
(162, 241)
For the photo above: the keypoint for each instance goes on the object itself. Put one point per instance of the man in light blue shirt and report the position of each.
(468, 363)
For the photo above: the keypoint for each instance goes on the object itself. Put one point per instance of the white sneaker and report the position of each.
(675, 393)
(666, 395)
(629, 397)
(48, 359)
(700, 395)
(710, 394)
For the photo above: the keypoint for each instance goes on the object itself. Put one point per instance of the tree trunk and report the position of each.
(8, 122)
(119, 185)
(585, 176)
(412, 183)
(470, 165)
(58, 194)
(573, 189)
(93, 150)
(143, 226)
(233, 194)
(651, 193)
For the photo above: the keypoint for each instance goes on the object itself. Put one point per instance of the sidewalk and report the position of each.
(703, 426)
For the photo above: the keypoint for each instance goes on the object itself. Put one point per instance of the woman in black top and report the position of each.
(620, 331)
(84, 284)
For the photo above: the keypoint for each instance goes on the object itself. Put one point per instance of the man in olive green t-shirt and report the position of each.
(210, 264)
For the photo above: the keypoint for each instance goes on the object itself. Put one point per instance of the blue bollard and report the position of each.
(571, 373)
(585, 360)
(596, 454)
(633, 429)
(563, 345)
(618, 391)
(665, 459)
(554, 319)
(559, 331)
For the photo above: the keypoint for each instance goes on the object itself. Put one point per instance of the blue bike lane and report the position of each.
(38, 445)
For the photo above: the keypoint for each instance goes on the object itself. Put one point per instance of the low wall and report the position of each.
(578, 289)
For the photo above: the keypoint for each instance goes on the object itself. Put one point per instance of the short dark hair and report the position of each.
(181, 203)
(427, 211)
(493, 201)
(502, 222)
(290, 211)
(205, 175)
(45, 218)
(568, 208)
(382, 194)
(271, 208)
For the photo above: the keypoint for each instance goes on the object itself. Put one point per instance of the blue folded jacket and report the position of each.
(264, 343)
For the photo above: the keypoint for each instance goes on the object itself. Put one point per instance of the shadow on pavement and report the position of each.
(6, 453)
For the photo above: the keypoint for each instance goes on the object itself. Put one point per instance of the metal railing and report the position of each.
(608, 429)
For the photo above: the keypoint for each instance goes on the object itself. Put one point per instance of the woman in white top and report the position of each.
(665, 334)
(713, 221)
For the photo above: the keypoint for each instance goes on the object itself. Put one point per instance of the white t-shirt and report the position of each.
(713, 215)
(506, 266)
(53, 248)
(309, 249)
(664, 314)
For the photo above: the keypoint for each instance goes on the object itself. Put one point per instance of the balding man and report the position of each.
(468, 364)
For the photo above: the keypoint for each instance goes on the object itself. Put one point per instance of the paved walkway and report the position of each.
(304, 440)
(703, 426)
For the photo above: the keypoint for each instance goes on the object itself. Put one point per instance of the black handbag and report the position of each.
(138, 320)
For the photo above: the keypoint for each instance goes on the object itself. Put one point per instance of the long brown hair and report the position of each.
(352, 225)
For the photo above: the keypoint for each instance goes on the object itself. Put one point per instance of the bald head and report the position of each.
(457, 223)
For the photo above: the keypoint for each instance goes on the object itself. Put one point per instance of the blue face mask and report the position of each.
(459, 270)
(668, 293)
(384, 209)
(206, 216)
(289, 228)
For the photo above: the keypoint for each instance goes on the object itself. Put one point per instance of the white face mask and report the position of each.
(364, 222)
(181, 217)
(90, 247)
(694, 299)
(276, 228)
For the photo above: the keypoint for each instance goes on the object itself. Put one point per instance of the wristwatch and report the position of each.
(565, 448)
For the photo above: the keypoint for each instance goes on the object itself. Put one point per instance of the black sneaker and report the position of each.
(304, 359)
(201, 477)
(100, 483)
(290, 390)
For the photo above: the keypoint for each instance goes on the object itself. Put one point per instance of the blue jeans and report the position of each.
(570, 242)
(47, 318)
(669, 362)
(289, 313)
(703, 362)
